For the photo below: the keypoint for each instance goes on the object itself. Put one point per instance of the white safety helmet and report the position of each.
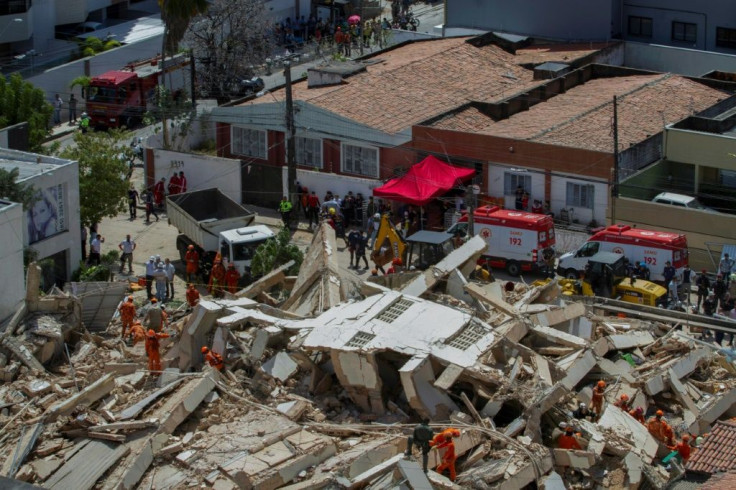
(377, 216)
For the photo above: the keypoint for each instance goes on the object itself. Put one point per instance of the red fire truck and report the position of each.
(516, 239)
(121, 97)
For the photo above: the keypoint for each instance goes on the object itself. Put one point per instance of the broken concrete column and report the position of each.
(417, 378)
(33, 286)
(357, 372)
(86, 397)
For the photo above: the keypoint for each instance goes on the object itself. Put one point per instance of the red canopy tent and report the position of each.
(424, 181)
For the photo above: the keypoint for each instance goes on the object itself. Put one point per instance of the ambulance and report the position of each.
(654, 248)
(516, 239)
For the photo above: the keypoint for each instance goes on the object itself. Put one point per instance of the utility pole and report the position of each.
(361, 24)
(192, 81)
(471, 195)
(614, 187)
(290, 133)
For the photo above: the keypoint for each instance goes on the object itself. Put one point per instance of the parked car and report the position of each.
(680, 200)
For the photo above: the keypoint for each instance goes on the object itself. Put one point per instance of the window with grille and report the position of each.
(468, 336)
(360, 160)
(248, 142)
(394, 311)
(684, 31)
(308, 151)
(512, 180)
(640, 26)
(580, 195)
(360, 339)
(725, 37)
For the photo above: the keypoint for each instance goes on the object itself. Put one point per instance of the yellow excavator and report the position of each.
(606, 276)
(389, 244)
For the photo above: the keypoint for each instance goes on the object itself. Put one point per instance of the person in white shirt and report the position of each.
(159, 276)
(170, 271)
(150, 268)
(95, 247)
(126, 247)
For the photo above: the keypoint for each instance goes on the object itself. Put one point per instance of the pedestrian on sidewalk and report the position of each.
(362, 244)
(58, 104)
(72, 109)
(150, 269)
(84, 243)
(127, 247)
(159, 275)
(95, 247)
(150, 208)
(133, 198)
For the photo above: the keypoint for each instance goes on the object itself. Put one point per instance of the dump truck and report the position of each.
(121, 97)
(214, 223)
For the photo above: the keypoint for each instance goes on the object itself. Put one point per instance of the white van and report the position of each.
(680, 200)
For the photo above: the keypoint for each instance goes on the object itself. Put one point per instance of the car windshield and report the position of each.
(695, 204)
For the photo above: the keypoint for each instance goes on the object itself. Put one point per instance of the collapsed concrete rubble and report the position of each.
(322, 392)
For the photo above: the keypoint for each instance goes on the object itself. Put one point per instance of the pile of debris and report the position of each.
(322, 392)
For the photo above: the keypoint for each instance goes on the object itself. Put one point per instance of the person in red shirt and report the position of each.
(182, 182)
(174, 186)
(158, 192)
(232, 276)
(568, 440)
(313, 209)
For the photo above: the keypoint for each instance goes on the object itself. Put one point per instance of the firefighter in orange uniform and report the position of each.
(448, 457)
(623, 402)
(192, 260)
(655, 425)
(127, 315)
(638, 414)
(213, 358)
(232, 276)
(137, 332)
(596, 403)
(152, 346)
(568, 440)
(217, 279)
(683, 447)
(192, 295)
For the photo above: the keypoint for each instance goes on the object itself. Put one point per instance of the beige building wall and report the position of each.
(704, 230)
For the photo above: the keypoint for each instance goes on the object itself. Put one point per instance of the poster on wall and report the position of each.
(47, 216)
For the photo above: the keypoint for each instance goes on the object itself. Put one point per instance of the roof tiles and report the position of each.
(718, 451)
(582, 117)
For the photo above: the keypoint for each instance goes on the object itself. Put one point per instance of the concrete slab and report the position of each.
(82, 471)
(281, 366)
(630, 340)
(558, 337)
(631, 430)
(469, 251)
(414, 474)
(449, 376)
(559, 315)
(681, 393)
(487, 294)
(712, 411)
(579, 369)
(179, 406)
(134, 410)
(580, 460)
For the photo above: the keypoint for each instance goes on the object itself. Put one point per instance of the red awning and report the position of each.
(424, 181)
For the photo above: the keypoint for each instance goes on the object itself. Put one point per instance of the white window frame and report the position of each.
(526, 177)
(343, 158)
(236, 142)
(577, 201)
(316, 161)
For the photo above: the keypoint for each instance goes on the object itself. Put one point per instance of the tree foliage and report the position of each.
(276, 252)
(227, 40)
(12, 190)
(103, 167)
(20, 102)
(176, 15)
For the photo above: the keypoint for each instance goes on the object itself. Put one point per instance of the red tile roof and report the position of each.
(718, 451)
(582, 117)
(720, 481)
(418, 81)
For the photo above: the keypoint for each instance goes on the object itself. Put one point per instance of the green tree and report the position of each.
(276, 252)
(103, 168)
(20, 102)
(12, 190)
(176, 15)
